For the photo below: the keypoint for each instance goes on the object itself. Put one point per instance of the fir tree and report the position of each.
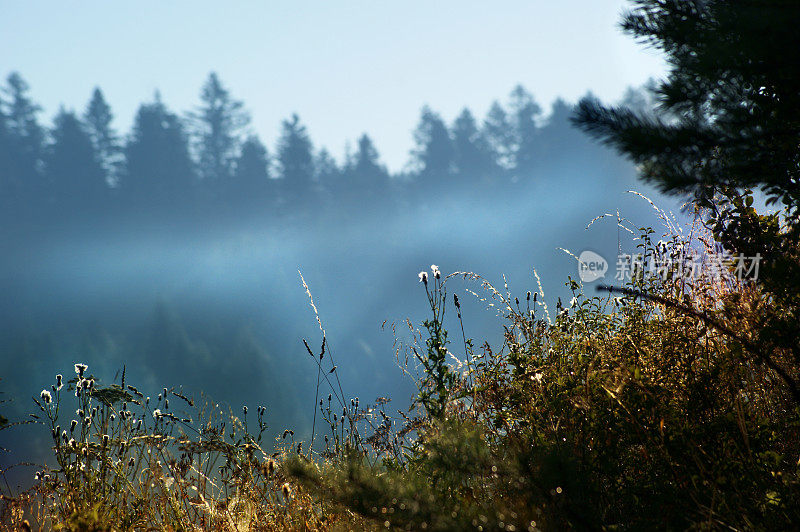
(730, 106)
(525, 114)
(326, 169)
(158, 169)
(433, 155)
(296, 161)
(72, 166)
(367, 173)
(474, 161)
(499, 132)
(8, 187)
(216, 129)
(251, 180)
(98, 118)
(25, 137)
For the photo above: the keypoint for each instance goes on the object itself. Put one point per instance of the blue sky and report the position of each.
(344, 67)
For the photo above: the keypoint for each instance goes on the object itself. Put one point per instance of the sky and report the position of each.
(347, 68)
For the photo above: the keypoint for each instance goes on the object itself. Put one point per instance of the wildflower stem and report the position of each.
(468, 352)
(316, 400)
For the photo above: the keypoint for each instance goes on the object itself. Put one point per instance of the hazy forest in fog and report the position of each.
(98, 223)
(173, 249)
(206, 165)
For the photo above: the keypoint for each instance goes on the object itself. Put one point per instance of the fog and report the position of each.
(225, 313)
(206, 295)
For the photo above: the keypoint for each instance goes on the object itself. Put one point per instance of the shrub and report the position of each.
(652, 409)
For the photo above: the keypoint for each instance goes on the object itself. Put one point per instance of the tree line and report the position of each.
(209, 159)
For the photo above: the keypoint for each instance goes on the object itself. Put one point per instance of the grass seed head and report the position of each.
(80, 368)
